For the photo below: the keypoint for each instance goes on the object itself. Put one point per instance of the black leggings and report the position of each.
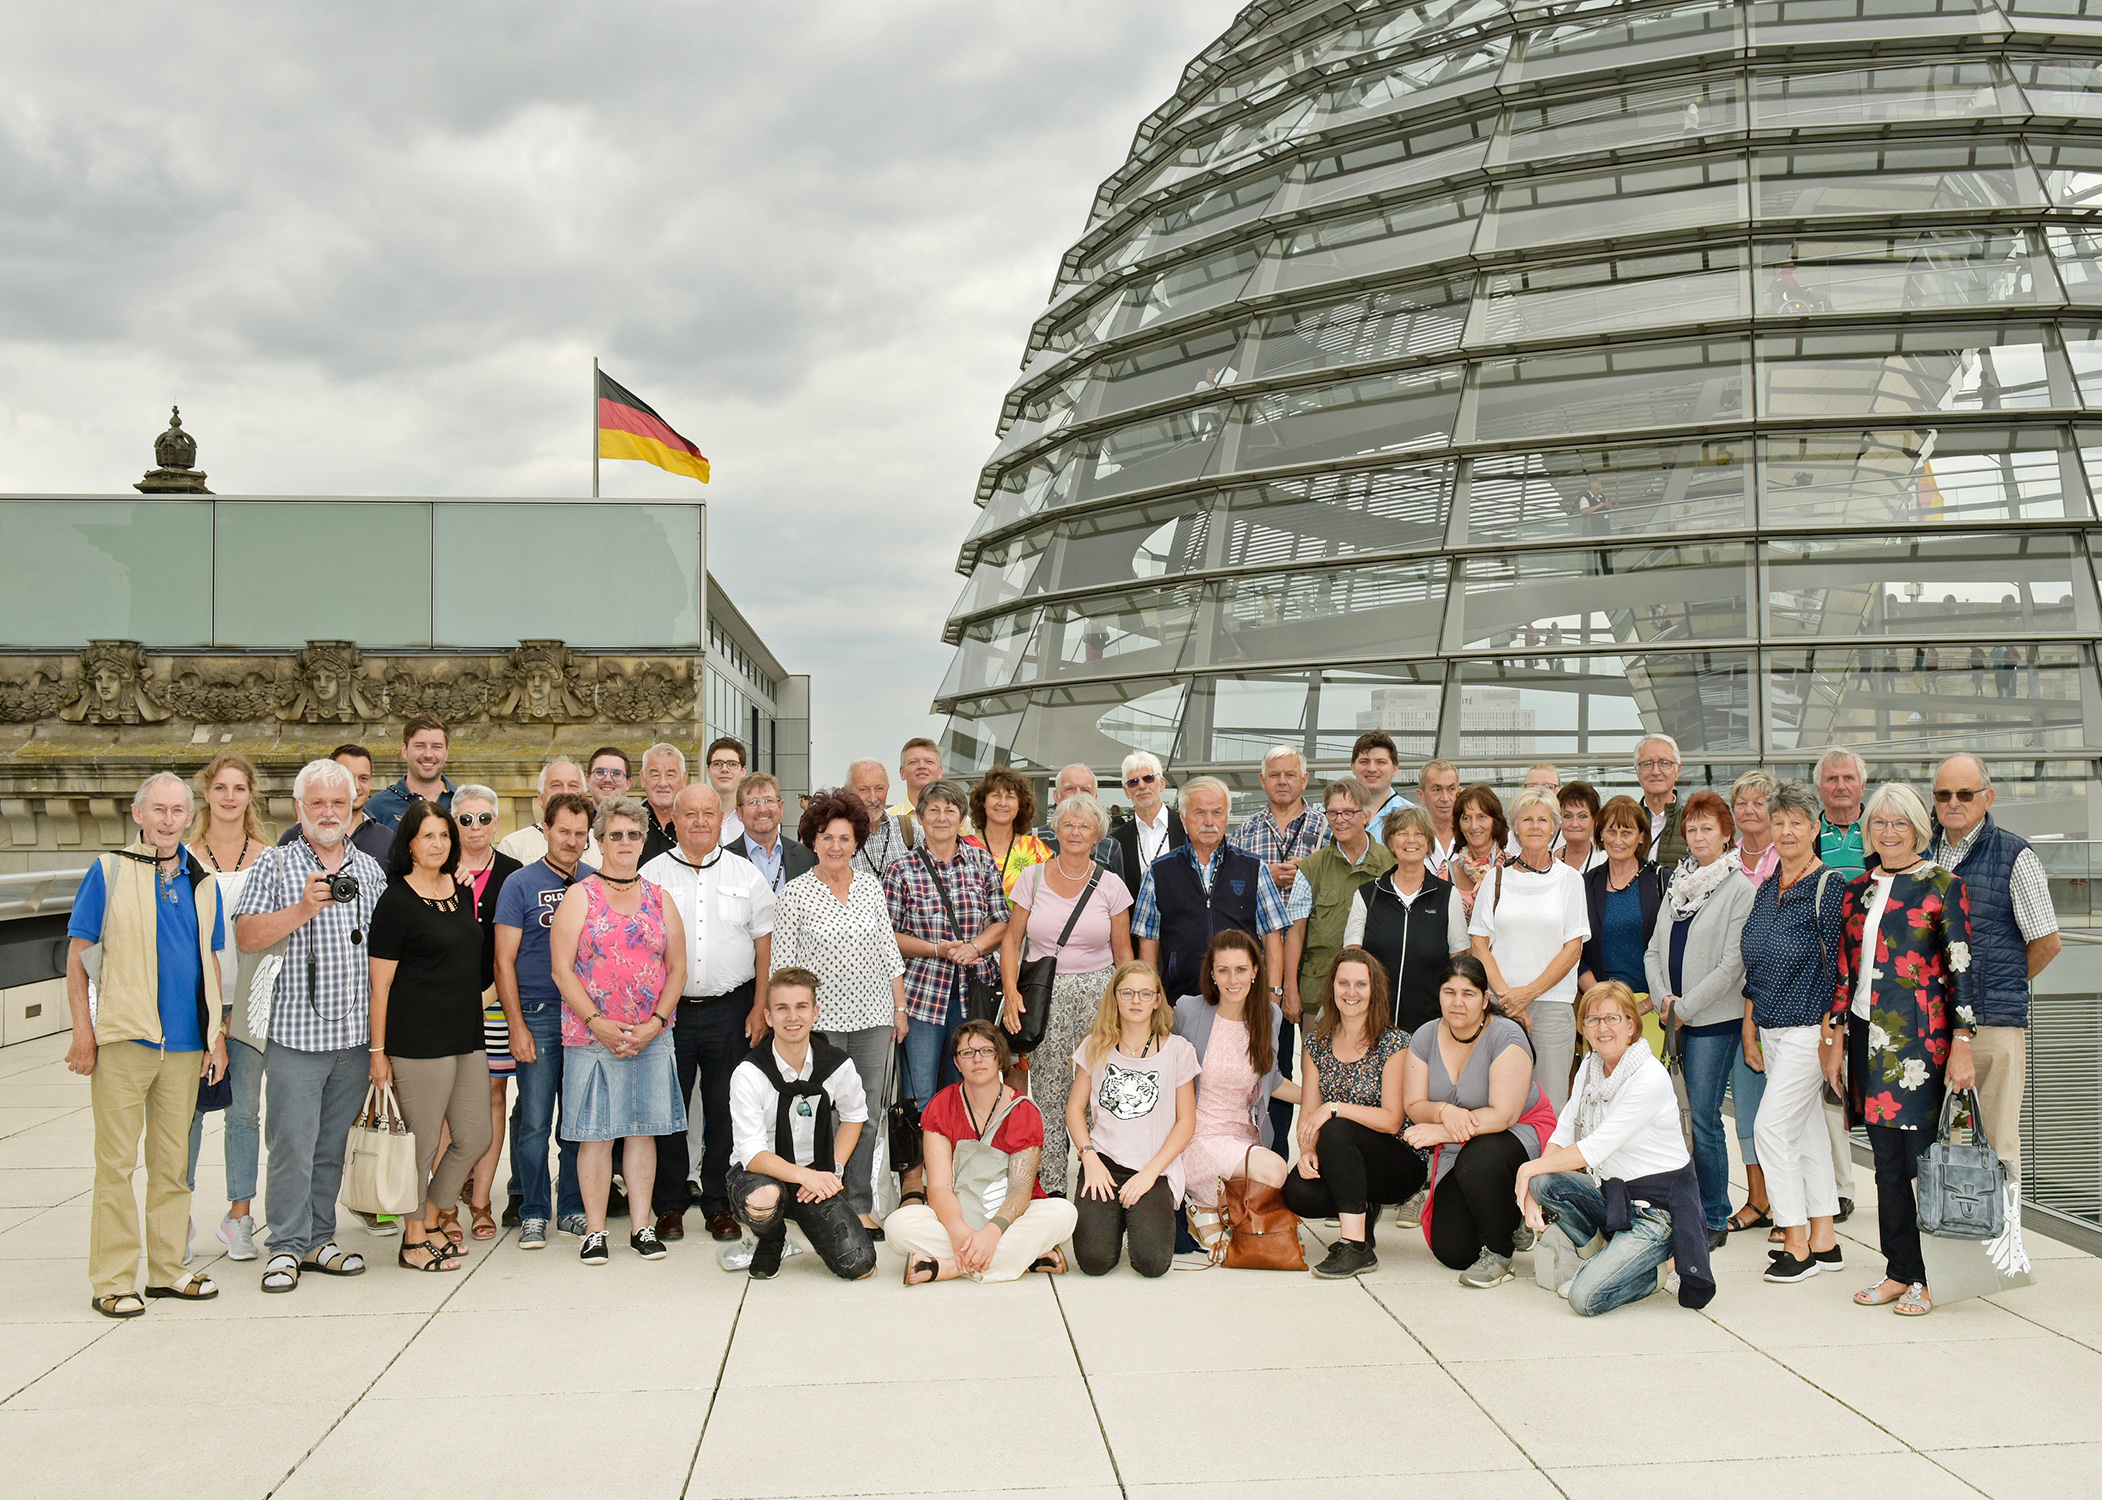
(1476, 1205)
(1359, 1166)
(1149, 1224)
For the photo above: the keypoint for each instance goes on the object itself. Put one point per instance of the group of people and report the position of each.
(1468, 1010)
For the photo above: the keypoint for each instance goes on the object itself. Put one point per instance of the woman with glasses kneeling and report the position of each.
(1616, 1166)
(985, 1217)
(1351, 1155)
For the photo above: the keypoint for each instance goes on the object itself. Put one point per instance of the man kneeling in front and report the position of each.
(796, 1109)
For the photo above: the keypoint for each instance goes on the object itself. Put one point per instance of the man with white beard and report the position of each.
(315, 895)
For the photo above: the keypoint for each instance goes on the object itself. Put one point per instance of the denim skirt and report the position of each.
(605, 1097)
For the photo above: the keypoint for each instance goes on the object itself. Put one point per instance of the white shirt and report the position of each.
(1153, 837)
(733, 829)
(726, 905)
(1441, 853)
(1639, 1136)
(1869, 929)
(1529, 923)
(753, 1101)
(530, 843)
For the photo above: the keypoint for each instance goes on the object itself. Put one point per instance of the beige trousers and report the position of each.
(914, 1230)
(2001, 1053)
(440, 1091)
(137, 1091)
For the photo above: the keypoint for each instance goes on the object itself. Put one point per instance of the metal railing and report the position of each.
(39, 893)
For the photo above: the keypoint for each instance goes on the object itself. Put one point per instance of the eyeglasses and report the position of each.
(726, 765)
(623, 836)
(1601, 1022)
(1964, 794)
(1890, 825)
(608, 773)
(757, 802)
(1138, 994)
(976, 1054)
(1147, 779)
(1655, 765)
(474, 820)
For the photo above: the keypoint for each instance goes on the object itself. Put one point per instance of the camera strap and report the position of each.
(357, 936)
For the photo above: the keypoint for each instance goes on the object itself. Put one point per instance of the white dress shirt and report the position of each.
(753, 1101)
(1153, 836)
(727, 905)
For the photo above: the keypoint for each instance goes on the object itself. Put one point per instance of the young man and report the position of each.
(1657, 768)
(375, 840)
(610, 772)
(1154, 828)
(424, 747)
(1285, 830)
(663, 778)
(778, 859)
(796, 1109)
(560, 777)
(726, 765)
(919, 766)
(1374, 761)
(1438, 788)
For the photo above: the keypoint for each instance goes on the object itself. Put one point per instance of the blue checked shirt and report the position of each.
(1273, 845)
(1269, 905)
(323, 999)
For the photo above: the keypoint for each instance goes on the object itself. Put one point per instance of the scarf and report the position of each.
(1595, 1090)
(1692, 884)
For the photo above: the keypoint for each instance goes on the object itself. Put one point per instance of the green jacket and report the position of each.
(1334, 881)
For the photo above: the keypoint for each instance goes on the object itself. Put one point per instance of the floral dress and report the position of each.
(1921, 988)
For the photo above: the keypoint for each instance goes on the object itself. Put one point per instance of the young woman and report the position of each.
(1529, 928)
(1003, 810)
(1132, 1111)
(1478, 818)
(483, 870)
(1234, 1028)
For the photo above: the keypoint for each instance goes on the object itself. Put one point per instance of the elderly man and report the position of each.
(1438, 789)
(1842, 780)
(888, 842)
(1203, 888)
(1154, 828)
(778, 860)
(1285, 830)
(1657, 769)
(316, 1064)
(559, 777)
(919, 766)
(154, 1029)
(424, 747)
(1375, 761)
(663, 778)
(1078, 780)
(728, 908)
(1548, 775)
(375, 839)
(2014, 935)
(726, 765)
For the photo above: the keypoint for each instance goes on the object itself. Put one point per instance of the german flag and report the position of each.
(627, 428)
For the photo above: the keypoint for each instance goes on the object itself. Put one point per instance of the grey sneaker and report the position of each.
(571, 1224)
(532, 1234)
(1410, 1214)
(1489, 1269)
(381, 1225)
(238, 1235)
(1523, 1238)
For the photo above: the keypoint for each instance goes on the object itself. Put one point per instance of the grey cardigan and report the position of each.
(1714, 963)
(1193, 1022)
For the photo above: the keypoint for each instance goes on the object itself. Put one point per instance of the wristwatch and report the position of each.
(1278, 990)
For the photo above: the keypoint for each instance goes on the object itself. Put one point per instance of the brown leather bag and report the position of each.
(1263, 1235)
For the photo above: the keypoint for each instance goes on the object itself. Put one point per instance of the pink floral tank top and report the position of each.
(620, 959)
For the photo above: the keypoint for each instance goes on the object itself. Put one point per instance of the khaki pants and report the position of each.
(914, 1230)
(2001, 1055)
(435, 1092)
(136, 1091)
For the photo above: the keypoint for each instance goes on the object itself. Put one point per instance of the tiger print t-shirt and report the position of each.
(1131, 1103)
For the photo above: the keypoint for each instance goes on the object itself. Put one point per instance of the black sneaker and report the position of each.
(766, 1258)
(1786, 1267)
(510, 1220)
(594, 1251)
(1347, 1258)
(1833, 1259)
(644, 1242)
(1846, 1211)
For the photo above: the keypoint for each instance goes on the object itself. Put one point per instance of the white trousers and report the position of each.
(914, 1230)
(1794, 1150)
(1842, 1145)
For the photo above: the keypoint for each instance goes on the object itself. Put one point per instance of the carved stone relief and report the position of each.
(115, 686)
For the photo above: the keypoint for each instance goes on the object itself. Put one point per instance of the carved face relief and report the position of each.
(109, 685)
(326, 685)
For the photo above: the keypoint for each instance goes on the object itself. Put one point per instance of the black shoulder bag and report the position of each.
(982, 1001)
(1036, 976)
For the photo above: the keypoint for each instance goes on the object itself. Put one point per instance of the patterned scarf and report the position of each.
(1693, 883)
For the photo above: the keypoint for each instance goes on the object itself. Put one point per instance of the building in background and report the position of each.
(1525, 378)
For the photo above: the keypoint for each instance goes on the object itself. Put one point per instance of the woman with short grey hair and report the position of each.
(483, 870)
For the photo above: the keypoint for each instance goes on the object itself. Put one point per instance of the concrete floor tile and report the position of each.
(1757, 1476)
(56, 1455)
(61, 1142)
(49, 1291)
(933, 1328)
(1463, 1323)
(2067, 1299)
(2022, 1473)
(59, 1233)
(1281, 1323)
(1823, 1311)
(1504, 1484)
(32, 1350)
(2040, 1387)
(506, 1278)
(41, 1187)
(556, 1351)
(17, 1117)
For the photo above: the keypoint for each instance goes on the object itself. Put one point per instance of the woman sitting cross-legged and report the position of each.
(1234, 1028)
(1351, 1155)
(1616, 1166)
(1467, 1083)
(985, 1217)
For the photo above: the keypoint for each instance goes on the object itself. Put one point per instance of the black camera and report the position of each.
(342, 887)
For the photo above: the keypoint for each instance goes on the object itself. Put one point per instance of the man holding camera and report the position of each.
(310, 903)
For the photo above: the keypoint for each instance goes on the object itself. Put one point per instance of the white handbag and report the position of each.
(379, 1169)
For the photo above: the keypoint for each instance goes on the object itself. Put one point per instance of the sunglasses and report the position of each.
(1958, 794)
(623, 836)
(1146, 780)
(473, 820)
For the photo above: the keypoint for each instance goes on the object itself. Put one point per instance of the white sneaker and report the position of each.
(736, 1255)
(238, 1235)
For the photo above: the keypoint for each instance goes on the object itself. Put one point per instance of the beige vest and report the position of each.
(128, 998)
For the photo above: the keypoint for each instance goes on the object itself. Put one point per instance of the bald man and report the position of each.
(869, 784)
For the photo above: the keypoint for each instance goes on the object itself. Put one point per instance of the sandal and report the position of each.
(195, 1287)
(915, 1196)
(449, 1221)
(1915, 1303)
(1868, 1296)
(333, 1260)
(484, 1222)
(915, 1264)
(1052, 1262)
(282, 1273)
(1763, 1218)
(439, 1260)
(120, 1305)
(1207, 1228)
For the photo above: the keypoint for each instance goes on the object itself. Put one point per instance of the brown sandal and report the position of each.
(449, 1222)
(484, 1221)
(1052, 1262)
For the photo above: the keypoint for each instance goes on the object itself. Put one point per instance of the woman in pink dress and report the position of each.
(1234, 1028)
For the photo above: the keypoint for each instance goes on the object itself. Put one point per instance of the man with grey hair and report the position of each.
(1842, 781)
(869, 784)
(1285, 830)
(1438, 791)
(1192, 893)
(311, 900)
(526, 845)
(663, 778)
(154, 1027)
(1657, 768)
(376, 839)
(1074, 781)
(2014, 936)
(1154, 828)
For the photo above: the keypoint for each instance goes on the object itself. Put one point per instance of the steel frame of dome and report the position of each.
(1388, 297)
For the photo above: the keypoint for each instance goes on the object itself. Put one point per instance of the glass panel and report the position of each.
(1640, 385)
(1413, 83)
(1852, 275)
(1383, 415)
(1552, 601)
(1005, 572)
(1368, 610)
(1876, 182)
(1089, 324)
(1598, 708)
(1797, 99)
(483, 550)
(972, 746)
(1929, 585)
(1125, 546)
(1913, 370)
(1191, 286)
(1250, 714)
(1789, 22)
(2084, 350)
(1426, 153)
(1417, 27)
(1025, 489)
(124, 570)
(1614, 294)
(1160, 450)
(1626, 117)
(1206, 212)
(1594, 492)
(990, 654)
(1634, 200)
(1099, 723)
(1137, 632)
(1402, 699)
(1373, 326)
(1392, 240)
(378, 594)
(2078, 255)
(1165, 370)
(1931, 700)
(1336, 515)
(1907, 477)
(1265, 127)
(1567, 45)
(2072, 170)
(2063, 85)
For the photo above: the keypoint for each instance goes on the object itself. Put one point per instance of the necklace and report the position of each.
(1145, 1051)
(992, 1109)
(707, 864)
(239, 859)
(1464, 1041)
(1520, 862)
(621, 882)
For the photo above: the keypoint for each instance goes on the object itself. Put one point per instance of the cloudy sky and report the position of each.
(372, 250)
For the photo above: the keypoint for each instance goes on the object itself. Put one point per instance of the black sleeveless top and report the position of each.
(1409, 941)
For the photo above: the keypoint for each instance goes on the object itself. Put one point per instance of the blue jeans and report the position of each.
(533, 1122)
(1626, 1269)
(244, 1123)
(928, 1066)
(1747, 1088)
(1708, 1061)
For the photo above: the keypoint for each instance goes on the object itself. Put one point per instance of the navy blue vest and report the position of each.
(1190, 915)
(1997, 948)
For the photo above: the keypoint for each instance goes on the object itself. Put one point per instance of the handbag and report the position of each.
(379, 1169)
(1262, 1234)
(1962, 1189)
(212, 1096)
(978, 1173)
(981, 1001)
(1979, 1268)
(1036, 976)
(901, 1119)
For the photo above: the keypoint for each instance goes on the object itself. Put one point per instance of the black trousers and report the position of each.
(1360, 1167)
(833, 1228)
(1281, 1112)
(709, 1042)
(1476, 1206)
(1103, 1228)
(1897, 1155)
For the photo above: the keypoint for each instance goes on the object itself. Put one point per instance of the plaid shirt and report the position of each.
(2028, 887)
(1269, 905)
(972, 882)
(1261, 836)
(323, 999)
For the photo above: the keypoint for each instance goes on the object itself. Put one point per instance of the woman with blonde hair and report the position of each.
(1529, 926)
(1132, 1110)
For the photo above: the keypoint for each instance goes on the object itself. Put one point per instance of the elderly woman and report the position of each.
(1696, 981)
(1235, 1030)
(1003, 810)
(833, 920)
(1791, 951)
(426, 951)
(1467, 1086)
(1622, 896)
(618, 950)
(1902, 1014)
(1478, 820)
(1616, 1166)
(1581, 850)
(483, 870)
(1071, 909)
(1529, 926)
(1756, 859)
(1384, 920)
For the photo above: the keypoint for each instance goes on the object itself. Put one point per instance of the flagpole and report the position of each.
(594, 427)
